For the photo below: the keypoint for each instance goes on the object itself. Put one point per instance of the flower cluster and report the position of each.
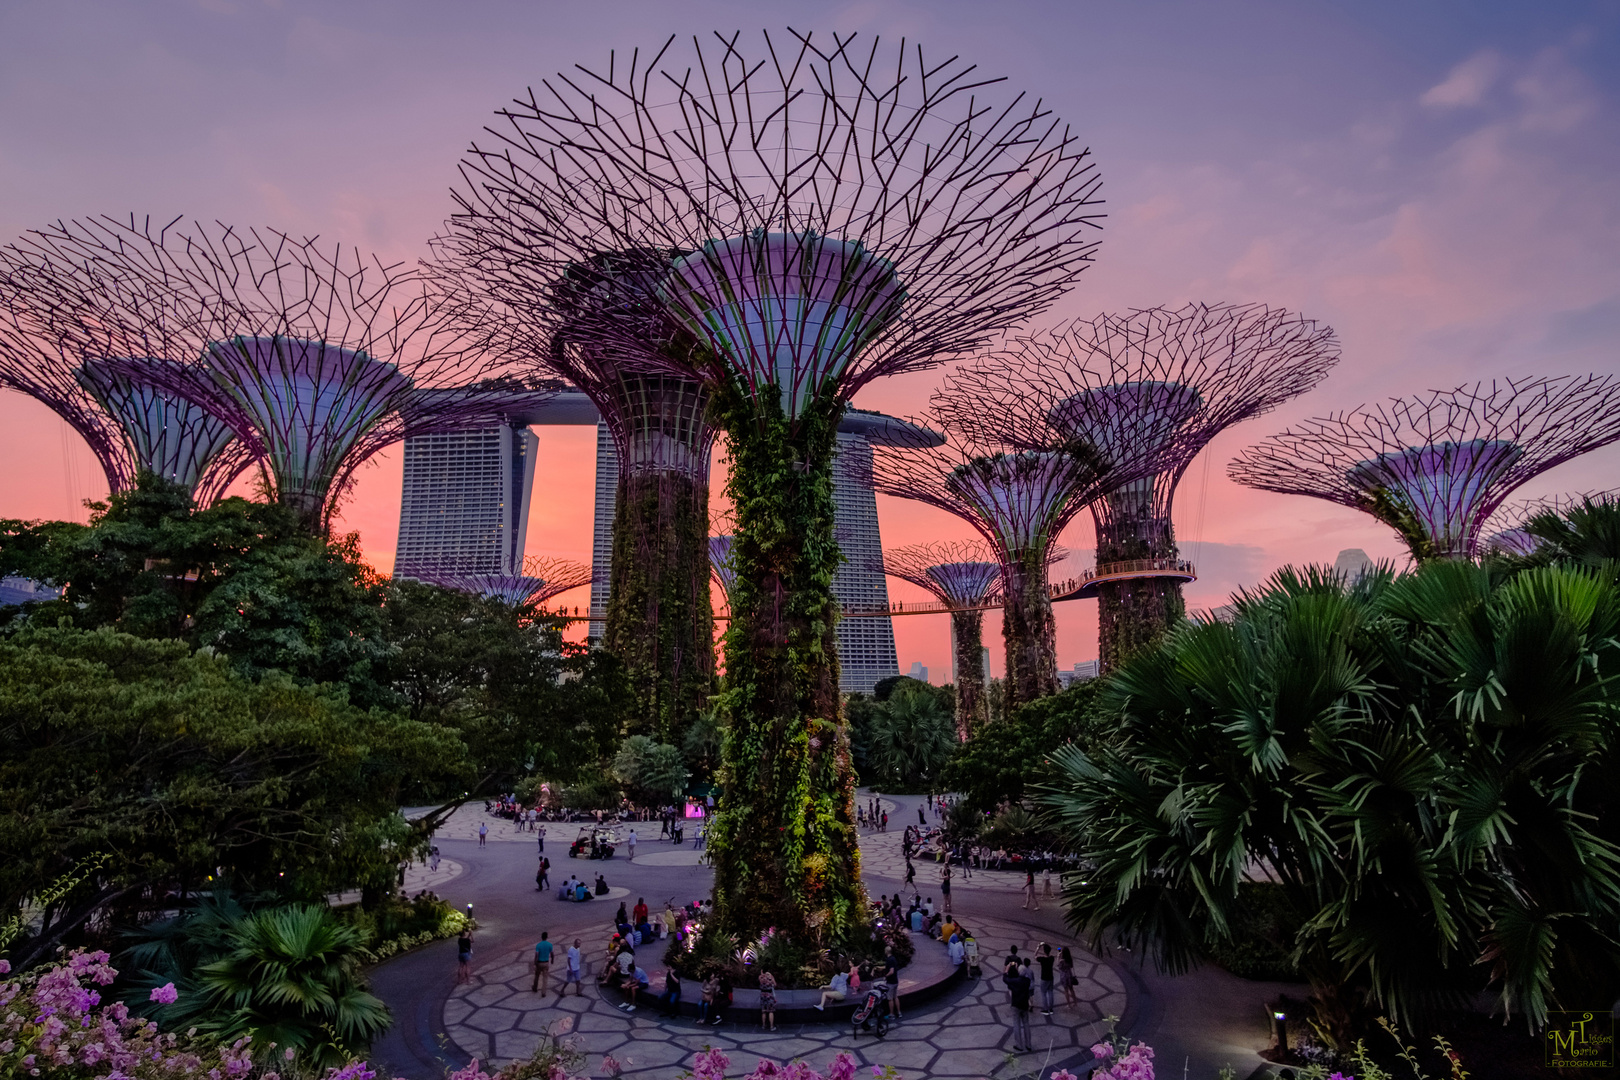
(1135, 1064)
(711, 1064)
(52, 1023)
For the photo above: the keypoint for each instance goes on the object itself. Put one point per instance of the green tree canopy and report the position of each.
(172, 766)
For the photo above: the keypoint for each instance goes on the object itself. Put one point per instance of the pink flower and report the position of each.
(842, 1067)
(709, 1064)
(1102, 1051)
(165, 994)
(610, 1065)
(1063, 1074)
(471, 1072)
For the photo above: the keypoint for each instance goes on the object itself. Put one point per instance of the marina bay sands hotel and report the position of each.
(467, 495)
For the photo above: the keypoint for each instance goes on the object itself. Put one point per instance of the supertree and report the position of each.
(51, 312)
(832, 215)
(658, 620)
(543, 578)
(1154, 384)
(1019, 501)
(1434, 467)
(316, 356)
(964, 577)
(723, 570)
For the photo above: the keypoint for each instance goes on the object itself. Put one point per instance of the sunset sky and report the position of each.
(1438, 182)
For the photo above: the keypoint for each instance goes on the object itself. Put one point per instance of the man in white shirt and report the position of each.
(573, 974)
(631, 844)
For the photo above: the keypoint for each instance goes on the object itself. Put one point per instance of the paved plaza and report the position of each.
(966, 1032)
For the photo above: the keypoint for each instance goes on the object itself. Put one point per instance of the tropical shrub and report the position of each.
(654, 772)
(1425, 765)
(902, 740)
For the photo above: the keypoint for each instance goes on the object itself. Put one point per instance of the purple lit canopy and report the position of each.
(1436, 466)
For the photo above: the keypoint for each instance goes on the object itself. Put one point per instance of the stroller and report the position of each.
(873, 1013)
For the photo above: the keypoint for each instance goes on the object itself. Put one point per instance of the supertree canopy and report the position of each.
(721, 567)
(1148, 385)
(1436, 466)
(316, 356)
(964, 577)
(55, 318)
(659, 620)
(542, 579)
(832, 214)
(1019, 502)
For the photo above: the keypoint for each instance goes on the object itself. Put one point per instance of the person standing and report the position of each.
(945, 887)
(575, 959)
(1046, 882)
(1065, 971)
(1019, 987)
(891, 977)
(541, 832)
(1047, 962)
(542, 965)
(711, 987)
(1031, 902)
(922, 818)
(631, 844)
(885, 827)
(483, 834)
(669, 1002)
(464, 945)
(542, 875)
(767, 1001)
(911, 876)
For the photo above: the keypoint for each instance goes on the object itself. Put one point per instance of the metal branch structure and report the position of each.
(315, 355)
(658, 616)
(830, 211)
(52, 314)
(1149, 385)
(543, 578)
(1436, 466)
(963, 576)
(1019, 502)
(722, 569)
(1508, 533)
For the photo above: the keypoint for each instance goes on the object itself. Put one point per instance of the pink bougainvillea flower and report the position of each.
(165, 994)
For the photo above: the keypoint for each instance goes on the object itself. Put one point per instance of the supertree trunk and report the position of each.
(783, 843)
(659, 619)
(1134, 613)
(1029, 631)
(967, 635)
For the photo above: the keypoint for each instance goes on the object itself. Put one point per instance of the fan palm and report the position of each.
(1417, 761)
(292, 978)
(910, 737)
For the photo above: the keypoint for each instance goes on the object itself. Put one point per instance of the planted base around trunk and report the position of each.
(783, 842)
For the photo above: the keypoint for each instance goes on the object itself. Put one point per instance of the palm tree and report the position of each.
(910, 737)
(292, 978)
(1420, 763)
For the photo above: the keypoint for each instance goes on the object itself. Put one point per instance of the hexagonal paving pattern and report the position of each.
(968, 1036)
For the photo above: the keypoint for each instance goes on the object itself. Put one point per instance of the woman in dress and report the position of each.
(1065, 972)
(767, 1001)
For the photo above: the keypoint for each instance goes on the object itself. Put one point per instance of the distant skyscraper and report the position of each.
(464, 506)
(918, 671)
(1352, 563)
(607, 499)
(865, 645)
(465, 500)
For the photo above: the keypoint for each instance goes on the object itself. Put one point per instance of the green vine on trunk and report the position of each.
(659, 619)
(783, 841)
(1028, 629)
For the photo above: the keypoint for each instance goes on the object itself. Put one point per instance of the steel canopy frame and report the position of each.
(1436, 466)
(1153, 384)
(60, 321)
(316, 355)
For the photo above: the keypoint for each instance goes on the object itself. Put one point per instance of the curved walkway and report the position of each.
(964, 1033)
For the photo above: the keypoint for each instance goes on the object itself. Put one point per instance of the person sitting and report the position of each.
(634, 984)
(601, 885)
(956, 951)
(916, 920)
(834, 991)
(581, 892)
(711, 987)
(948, 928)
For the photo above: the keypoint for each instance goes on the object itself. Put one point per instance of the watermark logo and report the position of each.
(1580, 1040)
